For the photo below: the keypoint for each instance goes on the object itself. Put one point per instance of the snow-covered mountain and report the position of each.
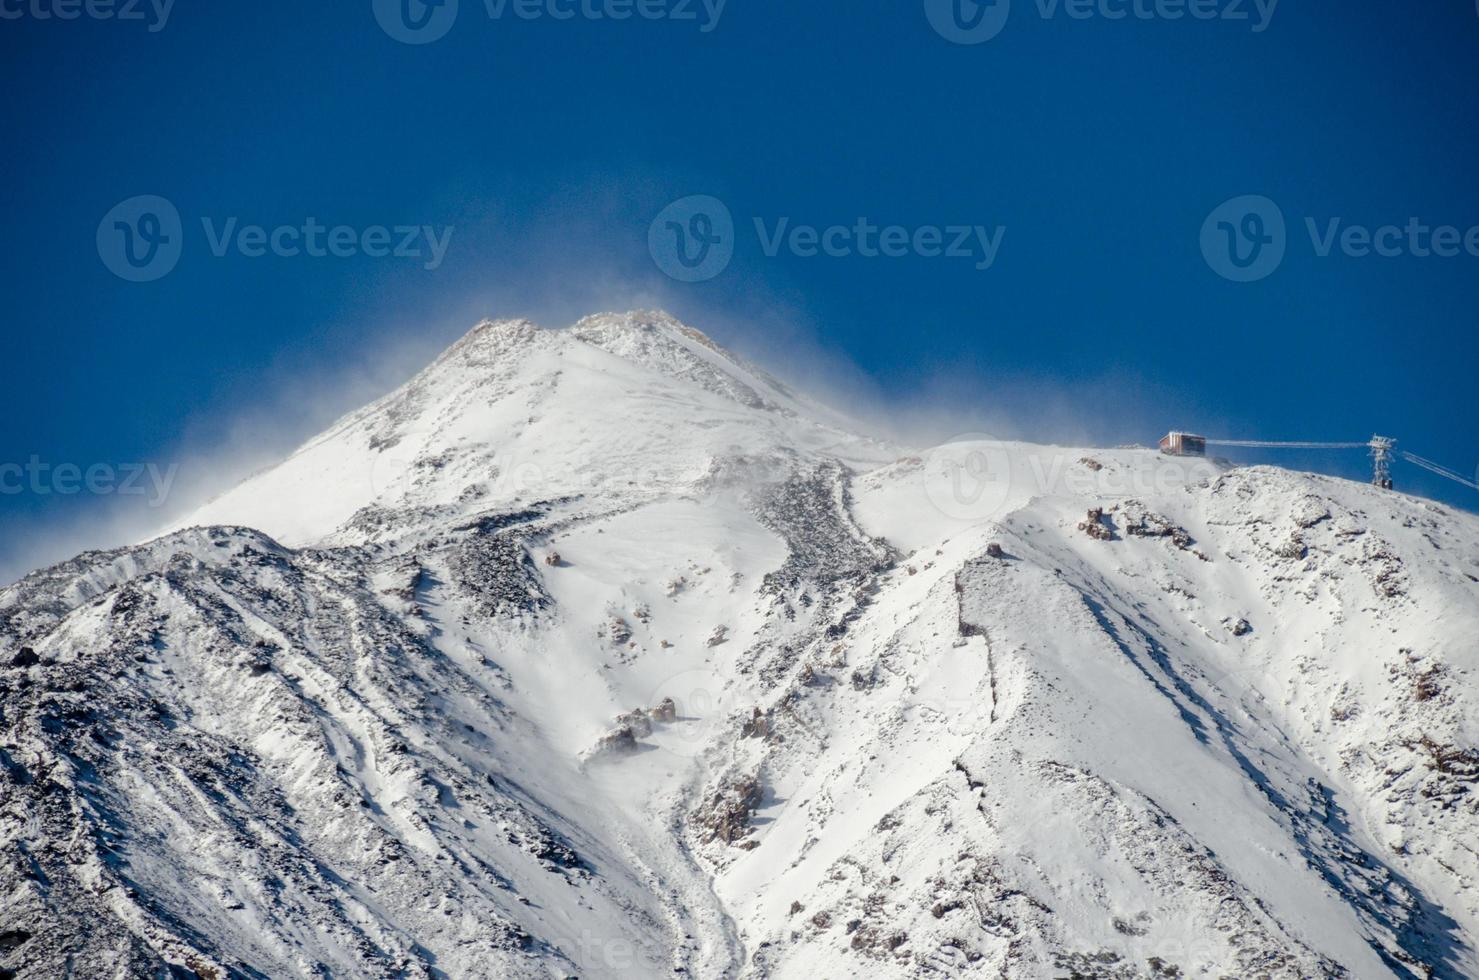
(599, 652)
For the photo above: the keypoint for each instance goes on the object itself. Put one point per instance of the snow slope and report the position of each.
(599, 652)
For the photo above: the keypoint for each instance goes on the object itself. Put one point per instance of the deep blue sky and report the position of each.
(1100, 145)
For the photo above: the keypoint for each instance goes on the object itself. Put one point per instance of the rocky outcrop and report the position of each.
(1097, 525)
(724, 815)
(1141, 522)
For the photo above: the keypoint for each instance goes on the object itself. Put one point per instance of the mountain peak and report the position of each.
(512, 406)
(635, 335)
(631, 321)
(638, 320)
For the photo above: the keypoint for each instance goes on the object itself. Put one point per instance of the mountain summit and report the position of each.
(512, 411)
(600, 652)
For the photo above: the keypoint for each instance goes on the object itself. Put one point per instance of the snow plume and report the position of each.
(354, 364)
(219, 447)
(930, 403)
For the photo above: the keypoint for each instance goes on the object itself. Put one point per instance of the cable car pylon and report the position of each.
(1381, 448)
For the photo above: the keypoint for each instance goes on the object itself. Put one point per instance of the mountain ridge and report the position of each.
(599, 652)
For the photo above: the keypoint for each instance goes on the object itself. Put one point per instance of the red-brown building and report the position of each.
(1184, 444)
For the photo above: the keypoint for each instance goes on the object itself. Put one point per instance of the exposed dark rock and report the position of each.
(1294, 548)
(637, 720)
(666, 711)
(1142, 523)
(618, 631)
(619, 741)
(810, 509)
(1096, 525)
(725, 815)
(493, 564)
(1457, 764)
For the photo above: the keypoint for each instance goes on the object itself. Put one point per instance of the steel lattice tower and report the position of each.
(1381, 461)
